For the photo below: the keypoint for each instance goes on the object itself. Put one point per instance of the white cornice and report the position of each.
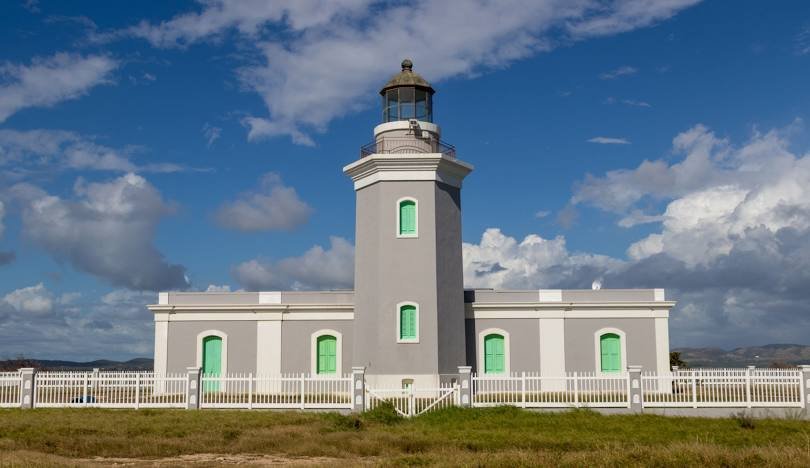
(535, 310)
(419, 166)
(283, 308)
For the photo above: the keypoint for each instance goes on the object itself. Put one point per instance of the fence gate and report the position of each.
(411, 401)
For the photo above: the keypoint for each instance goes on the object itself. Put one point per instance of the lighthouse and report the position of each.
(409, 293)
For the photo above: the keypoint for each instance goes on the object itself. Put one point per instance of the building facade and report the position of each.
(409, 320)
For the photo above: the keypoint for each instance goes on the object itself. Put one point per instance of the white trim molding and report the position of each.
(507, 358)
(399, 323)
(313, 354)
(223, 356)
(552, 347)
(597, 335)
(161, 347)
(662, 345)
(549, 295)
(415, 235)
(268, 347)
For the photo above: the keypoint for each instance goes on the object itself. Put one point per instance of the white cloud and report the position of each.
(627, 102)
(47, 81)
(317, 268)
(211, 134)
(542, 214)
(609, 140)
(107, 230)
(33, 299)
(334, 55)
(2, 215)
(274, 206)
(625, 70)
(218, 288)
(803, 41)
(41, 149)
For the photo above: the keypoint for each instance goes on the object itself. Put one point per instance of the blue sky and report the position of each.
(200, 144)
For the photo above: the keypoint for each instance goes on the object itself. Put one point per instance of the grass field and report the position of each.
(473, 437)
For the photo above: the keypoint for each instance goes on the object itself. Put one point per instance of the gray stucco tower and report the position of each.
(409, 295)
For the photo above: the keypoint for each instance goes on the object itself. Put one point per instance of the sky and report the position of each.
(199, 146)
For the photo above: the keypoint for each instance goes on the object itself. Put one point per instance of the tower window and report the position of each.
(407, 218)
(407, 322)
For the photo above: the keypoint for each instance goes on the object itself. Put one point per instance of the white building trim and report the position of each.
(399, 323)
(313, 355)
(662, 345)
(507, 358)
(549, 295)
(268, 347)
(212, 316)
(415, 235)
(519, 311)
(269, 297)
(552, 347)
(223, 356)
(161, 347)
(598, 351)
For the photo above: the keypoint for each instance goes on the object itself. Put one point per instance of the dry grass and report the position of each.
(452, 437)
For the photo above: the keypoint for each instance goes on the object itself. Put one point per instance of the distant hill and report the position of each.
(760, 356)
(106, 364)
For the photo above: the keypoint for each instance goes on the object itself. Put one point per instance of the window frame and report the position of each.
(398, 315)
(398, 208)
(507, 358)
(597, 343)
(313, 367)
(223, 356)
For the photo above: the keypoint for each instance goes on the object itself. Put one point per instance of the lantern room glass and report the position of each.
(407, 102)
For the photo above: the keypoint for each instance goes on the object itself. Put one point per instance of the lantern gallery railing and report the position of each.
(407, 146)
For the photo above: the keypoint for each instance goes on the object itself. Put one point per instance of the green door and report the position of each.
(212, 360)
(494, 359)
(610, 351)
(327, 354)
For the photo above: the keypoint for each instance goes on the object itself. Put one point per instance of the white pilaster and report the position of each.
(549, 295)
(662, 345)
(268, 347)
(161, 346)
(552, 350)
(269, 297)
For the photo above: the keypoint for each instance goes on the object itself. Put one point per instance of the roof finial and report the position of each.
(407, 65)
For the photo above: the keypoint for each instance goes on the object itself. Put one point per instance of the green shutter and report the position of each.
(610, 352)
(494, 357)
(327, 354)
(407, 217)
(212, 359)
(407, 322)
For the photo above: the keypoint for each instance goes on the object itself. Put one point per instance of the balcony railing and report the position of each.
(407, 146)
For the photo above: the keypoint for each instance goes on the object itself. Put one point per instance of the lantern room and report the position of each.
(407, 96)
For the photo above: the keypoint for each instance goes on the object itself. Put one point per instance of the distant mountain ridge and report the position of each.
(760, 356)
(104, 364)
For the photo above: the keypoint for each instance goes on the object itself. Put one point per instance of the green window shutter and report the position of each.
(494, 356)
(407, 217)
(610, 352)
(327, 354)
(212, 360)
(407, 322)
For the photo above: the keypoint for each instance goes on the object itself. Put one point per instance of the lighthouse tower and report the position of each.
(409, 293)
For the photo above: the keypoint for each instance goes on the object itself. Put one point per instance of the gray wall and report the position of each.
(182, 350)
(579, 342)
(524, 342)
(389, 270)
(296, 343)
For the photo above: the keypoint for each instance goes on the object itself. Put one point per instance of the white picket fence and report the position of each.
(412, 401)
(109, 390)
(10, 383)
(749, 388)
(532, 390)
(291, 391)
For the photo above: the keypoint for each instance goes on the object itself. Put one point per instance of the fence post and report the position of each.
(94, 380)
(27, 375)
(804, 386)
(465, 386)
(303, 389)
(84, 389)
(694, 389)
(250, 390)
(576, 389)
(411, 409)
(193, 388)
(137, 390)
(634, 390)
(748, 373)
(522, 389)
(358, 389)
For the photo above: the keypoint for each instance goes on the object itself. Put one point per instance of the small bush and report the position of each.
(384, 413)
(745, 420)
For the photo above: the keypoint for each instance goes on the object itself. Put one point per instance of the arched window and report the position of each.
(407, 322)
(406, 218)
(327, 354)
(610, 352)
(494, 355)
